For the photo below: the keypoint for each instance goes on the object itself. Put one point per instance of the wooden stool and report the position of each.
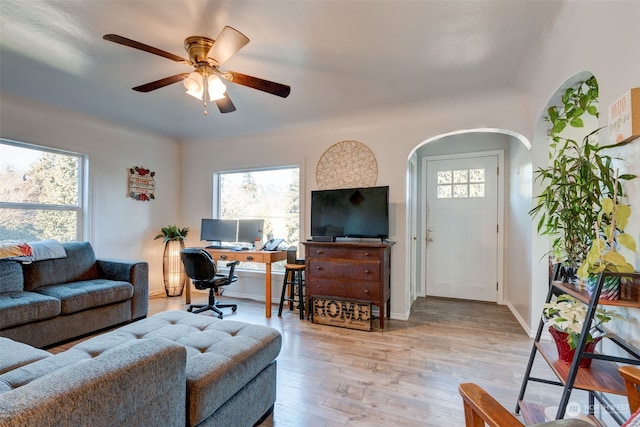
(293, 279)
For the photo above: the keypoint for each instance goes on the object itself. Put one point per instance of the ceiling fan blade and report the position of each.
(225, 105)
(229, 41)
(258, 83)
(161, 83)
(141, 46)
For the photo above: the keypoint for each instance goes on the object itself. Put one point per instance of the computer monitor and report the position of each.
(219, 230)
(250, 229)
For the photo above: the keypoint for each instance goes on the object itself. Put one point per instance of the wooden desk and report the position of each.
(264, 257)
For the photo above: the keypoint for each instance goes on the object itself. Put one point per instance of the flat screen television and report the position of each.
(350, 212)
(219, 230)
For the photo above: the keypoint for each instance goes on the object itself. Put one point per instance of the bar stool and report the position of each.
(294, 281)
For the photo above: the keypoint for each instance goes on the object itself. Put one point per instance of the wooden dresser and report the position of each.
(350, 270)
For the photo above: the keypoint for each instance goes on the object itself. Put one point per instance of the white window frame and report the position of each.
(216, 205)
(80, 209)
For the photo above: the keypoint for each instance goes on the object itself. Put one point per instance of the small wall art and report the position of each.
(142, 183)
(347, 164)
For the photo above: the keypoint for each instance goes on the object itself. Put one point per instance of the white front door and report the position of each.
(462, 227)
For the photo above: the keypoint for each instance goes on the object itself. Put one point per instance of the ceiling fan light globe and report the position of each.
(194, 84)
(217, 89)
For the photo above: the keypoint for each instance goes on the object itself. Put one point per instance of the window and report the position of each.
(269, 194)
(41, 193)
(461, 183)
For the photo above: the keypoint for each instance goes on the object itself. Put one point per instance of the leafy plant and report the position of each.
(578, 178)
(172, 232)
(567, 314)
(609, 237)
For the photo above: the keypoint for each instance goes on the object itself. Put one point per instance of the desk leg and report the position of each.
(187, 292)
(267, 284)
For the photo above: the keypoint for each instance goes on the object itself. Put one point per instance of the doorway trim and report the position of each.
(422, 291)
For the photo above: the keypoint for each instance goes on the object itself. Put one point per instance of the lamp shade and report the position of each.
(194, 84)
(216, 88)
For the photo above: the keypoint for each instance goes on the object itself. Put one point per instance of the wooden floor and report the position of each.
(405, 376)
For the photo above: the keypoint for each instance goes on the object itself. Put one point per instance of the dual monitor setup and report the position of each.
(239, 234)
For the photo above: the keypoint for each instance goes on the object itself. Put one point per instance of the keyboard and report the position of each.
(221, 247)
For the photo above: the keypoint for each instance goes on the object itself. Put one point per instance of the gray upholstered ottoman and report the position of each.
(231, 367)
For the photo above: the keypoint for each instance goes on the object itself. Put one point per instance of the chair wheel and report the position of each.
(219, 316)
(233, 309)
(190, 309)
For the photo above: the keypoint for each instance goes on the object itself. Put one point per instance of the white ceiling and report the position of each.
(339, 57)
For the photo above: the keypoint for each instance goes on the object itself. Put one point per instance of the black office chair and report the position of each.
(202, 270)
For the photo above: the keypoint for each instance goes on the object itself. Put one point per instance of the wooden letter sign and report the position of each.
(342, 313)
(624, 117)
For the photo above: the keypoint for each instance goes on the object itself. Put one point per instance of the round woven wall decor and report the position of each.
(347, 164)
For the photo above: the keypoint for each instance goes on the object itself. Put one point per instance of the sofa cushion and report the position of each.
(11, 279)
(79, 265)
(14, 354)
(19, 308)
(78, 296)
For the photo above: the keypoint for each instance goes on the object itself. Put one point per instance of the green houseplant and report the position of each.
(565, 318)
(172, 267)
(577, 179)
(172, 232)
(604, 254)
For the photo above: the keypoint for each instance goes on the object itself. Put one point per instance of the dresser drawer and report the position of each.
(341, 252)
(363, 291)
(240, 256)
(344, 269)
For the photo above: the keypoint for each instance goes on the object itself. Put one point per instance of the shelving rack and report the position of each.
(602, 377)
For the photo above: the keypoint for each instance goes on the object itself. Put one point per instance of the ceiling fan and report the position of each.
(206, 56)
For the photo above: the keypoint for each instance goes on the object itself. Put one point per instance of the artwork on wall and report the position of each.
(347, 164)
(141, 183)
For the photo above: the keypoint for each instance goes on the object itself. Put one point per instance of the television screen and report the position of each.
(218, 230)
(250, 229)
(350, 212)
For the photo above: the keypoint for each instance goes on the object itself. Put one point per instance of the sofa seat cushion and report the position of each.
(222, 355)
(78, 296)
(14, 354)
(19, 308)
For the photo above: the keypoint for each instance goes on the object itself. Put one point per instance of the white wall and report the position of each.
(600, 37)
(120, 227)
(391, 135)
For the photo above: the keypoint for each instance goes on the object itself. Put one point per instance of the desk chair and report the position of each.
(202, 270)
(480, 407)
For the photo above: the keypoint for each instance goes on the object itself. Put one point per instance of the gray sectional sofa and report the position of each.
(54, 300)
(171, 369)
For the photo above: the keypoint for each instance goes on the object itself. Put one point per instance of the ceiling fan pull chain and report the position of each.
(205, 92)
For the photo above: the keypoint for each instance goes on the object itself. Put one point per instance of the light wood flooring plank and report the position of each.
(405, 376)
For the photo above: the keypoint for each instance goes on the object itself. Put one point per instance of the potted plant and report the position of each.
(565, 318)
(577, 179)
(172, 268)
(604, 254)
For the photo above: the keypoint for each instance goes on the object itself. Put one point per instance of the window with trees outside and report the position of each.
(269, 194)
(41, 193)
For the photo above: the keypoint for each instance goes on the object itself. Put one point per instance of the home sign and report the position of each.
(341, 313)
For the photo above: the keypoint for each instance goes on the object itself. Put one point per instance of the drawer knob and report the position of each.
(366, 291)
(318, 267)
(366, 271)
(319, 251)
(366, 254)
(223, 257)
(249, 258)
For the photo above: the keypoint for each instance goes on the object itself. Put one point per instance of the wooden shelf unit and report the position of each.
(602, 377)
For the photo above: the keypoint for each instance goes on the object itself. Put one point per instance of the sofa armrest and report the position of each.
(142, 382)
(136, 273)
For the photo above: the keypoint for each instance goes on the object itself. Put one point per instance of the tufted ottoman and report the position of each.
(231, 367)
